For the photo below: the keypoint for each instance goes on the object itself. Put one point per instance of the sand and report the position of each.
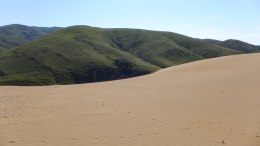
(205, 103)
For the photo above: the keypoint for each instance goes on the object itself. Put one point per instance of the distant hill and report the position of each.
(165, 49)
(2, 49)
(235, 45)
(83, 54)
(15, 35)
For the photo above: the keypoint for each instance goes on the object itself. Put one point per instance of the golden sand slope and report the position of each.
(205, 103)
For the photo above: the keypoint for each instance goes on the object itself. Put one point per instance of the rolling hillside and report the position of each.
(165, 49)
(81, 54)
(15, 35)
(235, 45)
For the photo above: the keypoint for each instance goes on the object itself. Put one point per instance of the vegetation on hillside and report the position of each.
(235, 45)
(71, 55)
(83, 54)
(15, 35)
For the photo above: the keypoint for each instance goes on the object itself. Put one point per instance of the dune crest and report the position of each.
(208, 102)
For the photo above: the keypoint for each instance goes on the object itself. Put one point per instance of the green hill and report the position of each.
(164, 49)
(15, 35)
(82, 54)
(235, 45)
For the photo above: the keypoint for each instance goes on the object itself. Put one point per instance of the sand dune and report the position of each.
(205, 103)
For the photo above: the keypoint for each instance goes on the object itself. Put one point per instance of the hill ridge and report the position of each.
(235, 45)
(14, 35)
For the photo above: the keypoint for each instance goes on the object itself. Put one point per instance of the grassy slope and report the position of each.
(235, 45)
(164, 49)
(201, 48)
(15, 35)
(2, 49)
(150, 46)
(82, 54)
(72, 55)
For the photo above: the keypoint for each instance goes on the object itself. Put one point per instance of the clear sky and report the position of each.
(216, 19)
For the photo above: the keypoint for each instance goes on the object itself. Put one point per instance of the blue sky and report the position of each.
(216, 19)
